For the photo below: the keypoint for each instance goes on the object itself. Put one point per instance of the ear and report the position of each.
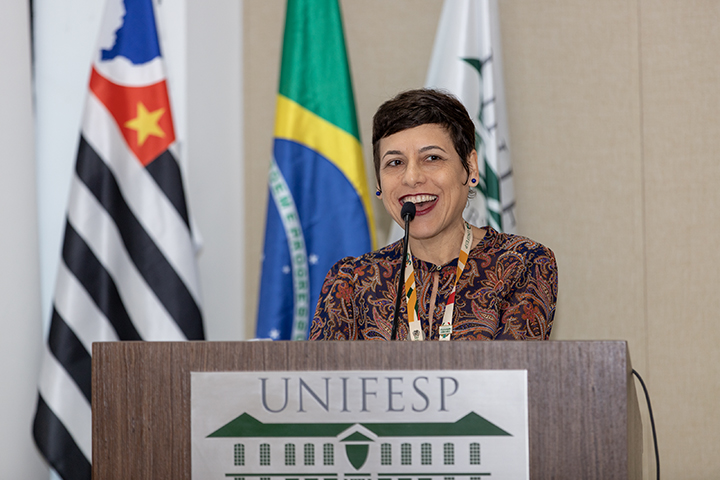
(378, 191)
(473, 164)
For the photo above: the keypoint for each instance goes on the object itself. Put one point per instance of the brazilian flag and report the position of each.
(319, 203)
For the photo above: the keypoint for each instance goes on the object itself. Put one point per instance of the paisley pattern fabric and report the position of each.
(506, 292)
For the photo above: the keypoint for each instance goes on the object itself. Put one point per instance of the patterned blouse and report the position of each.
(506, 292)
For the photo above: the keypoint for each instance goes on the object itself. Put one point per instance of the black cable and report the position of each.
(652, 424)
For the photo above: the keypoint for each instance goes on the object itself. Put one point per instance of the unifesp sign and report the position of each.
(360, 425)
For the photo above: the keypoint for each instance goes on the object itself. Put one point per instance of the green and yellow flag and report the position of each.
(319, 207)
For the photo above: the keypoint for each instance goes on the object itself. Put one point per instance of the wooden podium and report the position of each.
(583, 415)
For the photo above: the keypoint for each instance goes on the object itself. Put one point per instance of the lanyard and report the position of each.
(416, 333)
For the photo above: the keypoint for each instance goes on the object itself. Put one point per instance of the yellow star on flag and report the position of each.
(146, 123)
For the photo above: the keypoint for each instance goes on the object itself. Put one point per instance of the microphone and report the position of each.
(407, 213)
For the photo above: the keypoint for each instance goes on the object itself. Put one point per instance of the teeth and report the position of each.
(419, 198)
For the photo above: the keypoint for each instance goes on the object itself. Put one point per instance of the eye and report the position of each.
(393, 162)
(433, 158)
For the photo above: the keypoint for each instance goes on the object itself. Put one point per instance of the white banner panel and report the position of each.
(360, 425)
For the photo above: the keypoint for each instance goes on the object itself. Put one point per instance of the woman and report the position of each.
(504, 286)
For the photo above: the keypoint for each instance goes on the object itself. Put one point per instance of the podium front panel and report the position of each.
(583, 417)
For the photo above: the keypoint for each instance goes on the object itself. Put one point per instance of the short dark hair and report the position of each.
(423, 106)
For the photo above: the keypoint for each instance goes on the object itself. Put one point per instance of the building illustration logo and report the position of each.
(319, 426)
(356, 442)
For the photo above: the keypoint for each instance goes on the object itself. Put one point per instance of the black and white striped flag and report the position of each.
(127, 269)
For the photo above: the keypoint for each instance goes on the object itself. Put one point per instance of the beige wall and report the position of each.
(614, 129)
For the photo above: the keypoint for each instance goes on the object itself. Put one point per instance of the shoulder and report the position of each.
(386, 254)
(354, 266)
(498, 243)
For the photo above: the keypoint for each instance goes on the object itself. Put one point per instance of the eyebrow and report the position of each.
(432, 147)
(422, 150)
(392, 152)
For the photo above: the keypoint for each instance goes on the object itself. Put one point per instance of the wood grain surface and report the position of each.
(584, 421)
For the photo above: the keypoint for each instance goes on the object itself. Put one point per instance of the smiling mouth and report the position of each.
(419, 200)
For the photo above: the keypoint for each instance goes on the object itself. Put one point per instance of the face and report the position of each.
(421, 165)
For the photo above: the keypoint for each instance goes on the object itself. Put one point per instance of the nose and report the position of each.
(413, 174)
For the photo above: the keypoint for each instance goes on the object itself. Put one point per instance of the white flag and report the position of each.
(466, 61)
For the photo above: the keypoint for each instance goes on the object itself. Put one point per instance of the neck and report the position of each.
(439, 249)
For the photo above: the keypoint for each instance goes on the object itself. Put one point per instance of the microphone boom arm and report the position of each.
(407, 213)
